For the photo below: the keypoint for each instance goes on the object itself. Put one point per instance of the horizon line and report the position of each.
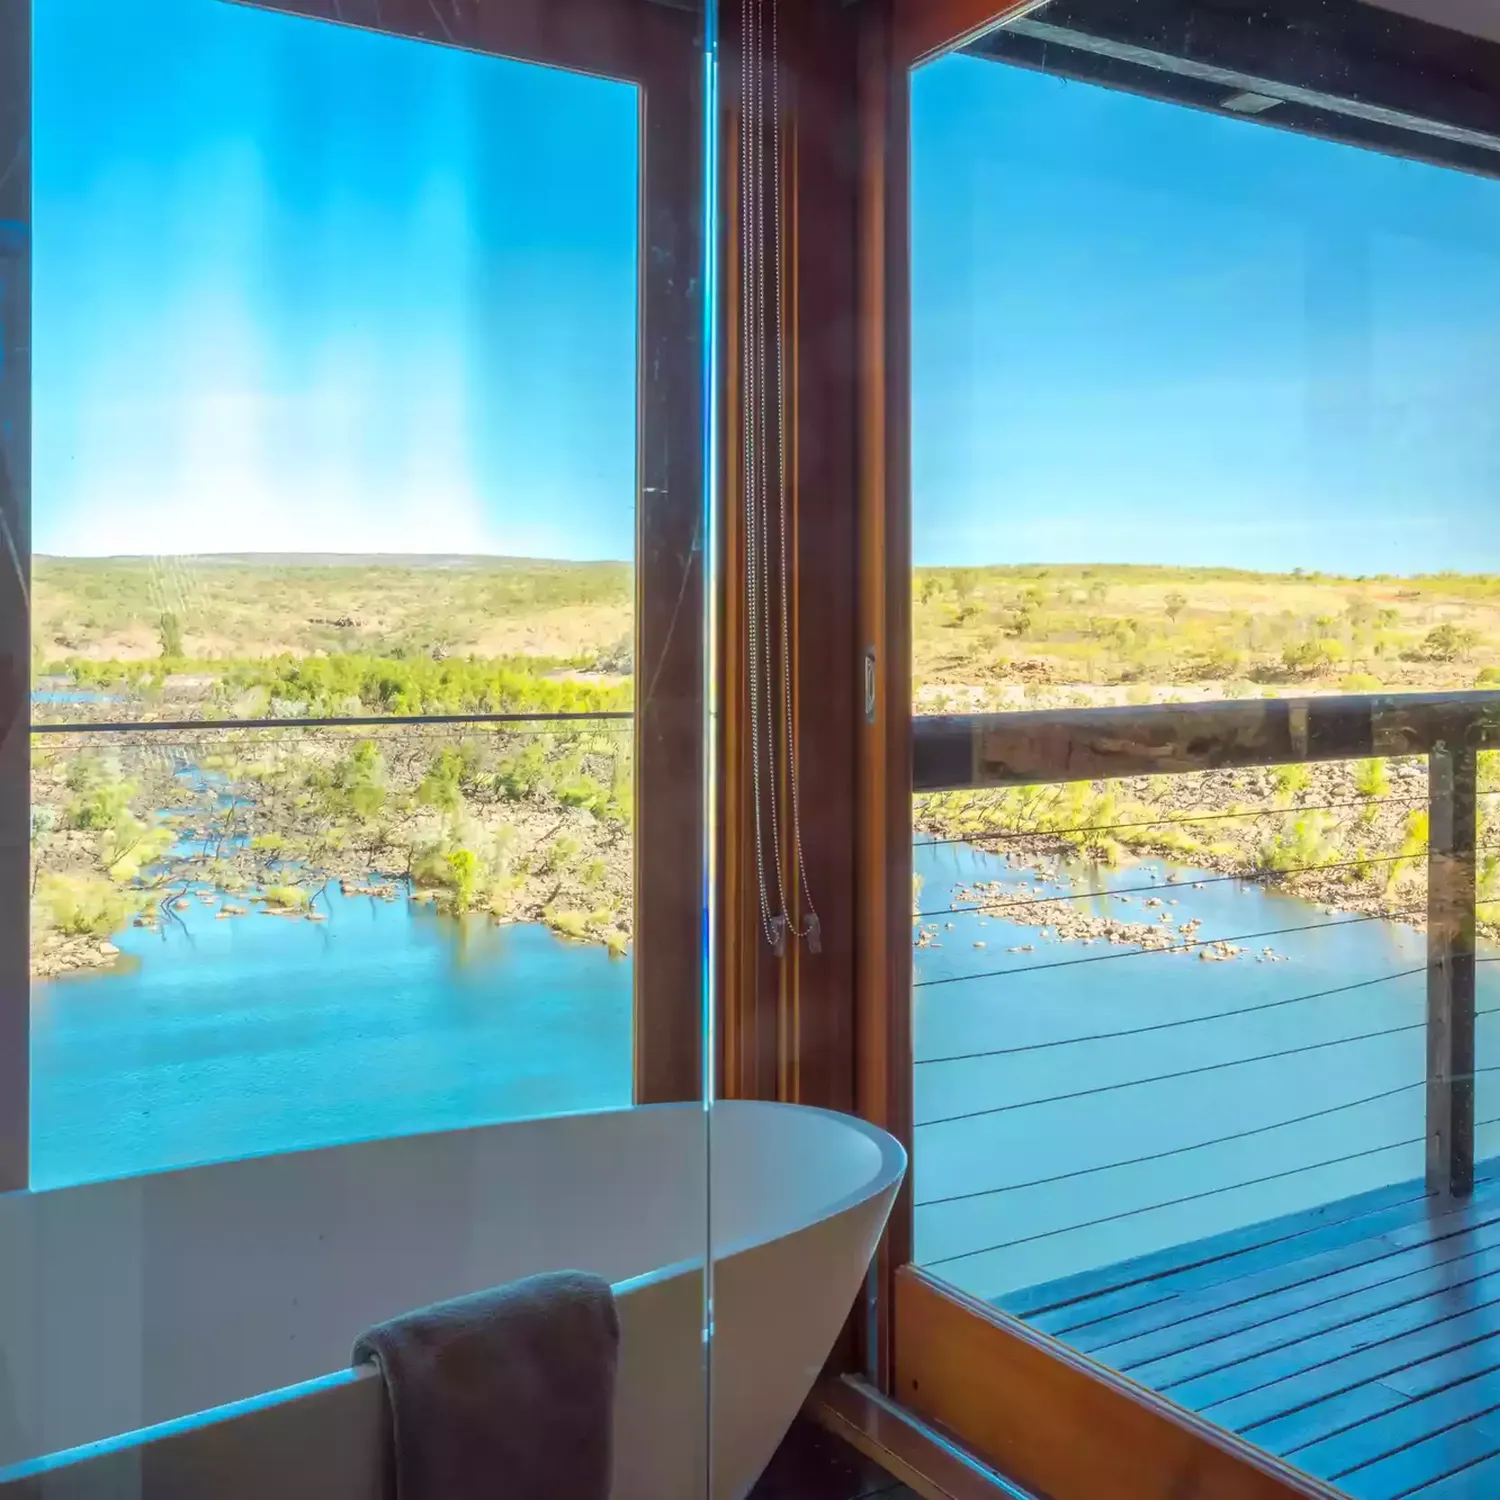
(329, 558)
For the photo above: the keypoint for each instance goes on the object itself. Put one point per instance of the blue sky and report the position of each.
(1148, 334)
(300, 287)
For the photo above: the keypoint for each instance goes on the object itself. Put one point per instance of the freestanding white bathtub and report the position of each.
(204, 1294)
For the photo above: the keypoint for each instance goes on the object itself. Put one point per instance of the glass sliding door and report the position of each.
(361, 775)
(1202, 553)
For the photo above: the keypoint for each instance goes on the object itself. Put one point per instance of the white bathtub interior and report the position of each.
(127, 1304)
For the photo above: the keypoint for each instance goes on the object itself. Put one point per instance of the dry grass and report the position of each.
(111, 609)
(1110, 632)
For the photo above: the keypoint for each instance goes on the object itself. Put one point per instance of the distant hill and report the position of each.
(331, 560)
(233, 606)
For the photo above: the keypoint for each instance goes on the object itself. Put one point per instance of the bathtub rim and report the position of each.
(890, 1170)
(892, 1163)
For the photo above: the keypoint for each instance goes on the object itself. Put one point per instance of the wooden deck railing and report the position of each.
(951, 753)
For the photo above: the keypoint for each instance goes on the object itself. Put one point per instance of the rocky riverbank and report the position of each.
(512, 827)
(1347, 837)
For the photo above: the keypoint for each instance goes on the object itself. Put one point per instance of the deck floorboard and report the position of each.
(1360, 1341)
(1400, 1428)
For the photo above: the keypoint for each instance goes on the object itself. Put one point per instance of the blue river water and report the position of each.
(1077, 1105)
(259, 1034)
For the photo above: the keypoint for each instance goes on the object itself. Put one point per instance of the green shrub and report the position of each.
(1448, 642)
(557, 859)
(1413, 846)
(585, 792)
(83, 905)
(571, 924)
(1292, 779)
(442, 786)
(1221, 661)
(169, 634)
(286, 897)
(1300, 844)
(463, 872)
(1312, 655)
(360, 781)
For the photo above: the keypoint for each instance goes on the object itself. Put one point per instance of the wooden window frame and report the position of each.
(657, 46)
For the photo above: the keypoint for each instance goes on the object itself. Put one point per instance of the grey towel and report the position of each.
(507, 1393)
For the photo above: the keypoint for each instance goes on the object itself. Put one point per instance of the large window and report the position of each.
(351, 697)
(1195, 416)
(338, 435)
(1198, 426)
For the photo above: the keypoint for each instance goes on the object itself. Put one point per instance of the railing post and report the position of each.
(1451, 772)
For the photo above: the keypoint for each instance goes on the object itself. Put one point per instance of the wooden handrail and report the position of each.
(953, 752)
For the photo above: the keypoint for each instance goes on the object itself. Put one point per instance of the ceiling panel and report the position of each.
(1476, 17)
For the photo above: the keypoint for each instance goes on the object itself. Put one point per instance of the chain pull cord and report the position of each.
(761, 563)
(771, 717)
(749, 280)
(758, 624)
(812, 930)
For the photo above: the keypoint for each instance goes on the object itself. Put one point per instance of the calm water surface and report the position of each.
(262, 1034)
(1068, 1144)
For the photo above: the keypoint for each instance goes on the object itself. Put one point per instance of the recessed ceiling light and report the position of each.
(1250, 104)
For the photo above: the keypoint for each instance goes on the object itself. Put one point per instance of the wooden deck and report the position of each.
(1360, 1340)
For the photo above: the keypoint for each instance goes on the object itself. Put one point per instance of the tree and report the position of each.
(1312, 655)
(463, 867)
(1448, 642)
(169, 633)
(1175, 604)
(360, 781)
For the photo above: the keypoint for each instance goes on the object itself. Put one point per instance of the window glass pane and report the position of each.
(341, 457)
(335, 417)
(1200, 424)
